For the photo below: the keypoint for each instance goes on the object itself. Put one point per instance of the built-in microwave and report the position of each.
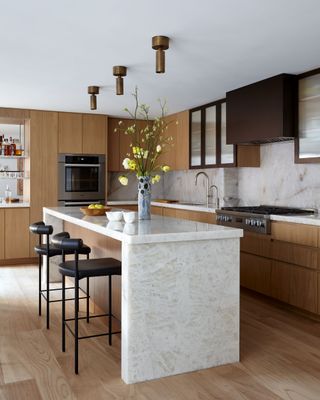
(81, 178)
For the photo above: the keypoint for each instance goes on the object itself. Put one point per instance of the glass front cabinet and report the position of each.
(208, 147)
(308, 141)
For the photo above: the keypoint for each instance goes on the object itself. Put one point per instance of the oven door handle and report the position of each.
(71, 203)
(82, 165)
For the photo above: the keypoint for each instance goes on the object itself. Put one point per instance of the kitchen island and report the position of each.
(179, 291)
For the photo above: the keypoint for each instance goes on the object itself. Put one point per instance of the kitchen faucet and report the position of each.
(207, 185)
(217, 195)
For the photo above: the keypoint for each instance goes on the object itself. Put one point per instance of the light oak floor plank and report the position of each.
(280, 355)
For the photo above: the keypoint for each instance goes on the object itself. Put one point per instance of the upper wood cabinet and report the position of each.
(70, 133)
(307, 145)
(82, 133)
(263, 111)
(94, 135)
(177, 156)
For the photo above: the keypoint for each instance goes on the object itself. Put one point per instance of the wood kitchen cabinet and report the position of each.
(208, 146)
(199, 216)
(16, 228)
(94, 135)
(119, 142)
(307, 144)
(70, 133)
(284, 265)
(177, 156)
(82, 133)
(2, 234)
(255, 273)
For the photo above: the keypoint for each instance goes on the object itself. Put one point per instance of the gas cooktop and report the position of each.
(268, 210)
(257, 218)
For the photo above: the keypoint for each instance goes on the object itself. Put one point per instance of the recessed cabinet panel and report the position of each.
(210, 135)
(196, 138)
(227, 150)
(309, 117)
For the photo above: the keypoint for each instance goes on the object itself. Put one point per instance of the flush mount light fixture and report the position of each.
(93, 91)
(160, 44)
(119, 71)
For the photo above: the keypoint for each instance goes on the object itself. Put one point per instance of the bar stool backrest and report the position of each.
(64, 243)
(40, 228)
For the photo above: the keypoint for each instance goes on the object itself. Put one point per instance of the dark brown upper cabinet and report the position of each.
(263, 112)
(208, 146)
(307, 144)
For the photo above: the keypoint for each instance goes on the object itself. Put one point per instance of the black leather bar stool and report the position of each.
(49, 250)
(79, 269)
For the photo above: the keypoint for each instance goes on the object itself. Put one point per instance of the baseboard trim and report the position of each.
(19, 261)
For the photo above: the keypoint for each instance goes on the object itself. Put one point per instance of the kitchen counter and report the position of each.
(15, 205)
(298, 219)
(181, 206)
(179, 291)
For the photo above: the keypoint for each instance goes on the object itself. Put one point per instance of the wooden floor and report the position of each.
(280, 356)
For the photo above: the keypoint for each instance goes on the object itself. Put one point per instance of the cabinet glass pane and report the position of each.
(227, 154)
(196, 138)
(309, 117)
(211, 127)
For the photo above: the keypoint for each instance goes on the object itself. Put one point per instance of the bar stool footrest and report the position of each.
(65, 322)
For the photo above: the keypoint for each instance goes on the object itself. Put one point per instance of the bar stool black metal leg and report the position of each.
(63, 313)
(48, 294)
(40, 262)
(76, 332)
(110, 311)
(88, 300)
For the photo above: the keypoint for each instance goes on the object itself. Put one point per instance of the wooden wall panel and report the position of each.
(70, 133)
(94, 134)
(44, 168)
(16, 233)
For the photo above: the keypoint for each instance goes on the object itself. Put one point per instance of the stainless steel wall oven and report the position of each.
(81, 179)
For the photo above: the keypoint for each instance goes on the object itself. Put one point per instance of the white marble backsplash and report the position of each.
(278, 181)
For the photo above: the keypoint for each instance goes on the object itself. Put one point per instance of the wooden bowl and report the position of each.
(94, 212)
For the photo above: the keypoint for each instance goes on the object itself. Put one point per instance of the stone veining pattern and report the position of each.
(180, 307)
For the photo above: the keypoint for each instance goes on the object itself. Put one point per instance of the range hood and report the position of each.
(263, 112)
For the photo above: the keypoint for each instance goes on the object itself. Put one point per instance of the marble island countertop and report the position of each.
(181, 205)
(158, 229)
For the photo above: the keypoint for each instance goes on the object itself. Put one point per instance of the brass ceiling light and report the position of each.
(160, 44)
(119, 71)
(93, 91)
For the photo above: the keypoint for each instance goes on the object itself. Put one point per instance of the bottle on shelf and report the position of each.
(1, 140)
(18, 148)
(12, 148)
(6, 147)
(7, 195)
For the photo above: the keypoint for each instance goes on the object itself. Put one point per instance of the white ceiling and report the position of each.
(50, 51)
